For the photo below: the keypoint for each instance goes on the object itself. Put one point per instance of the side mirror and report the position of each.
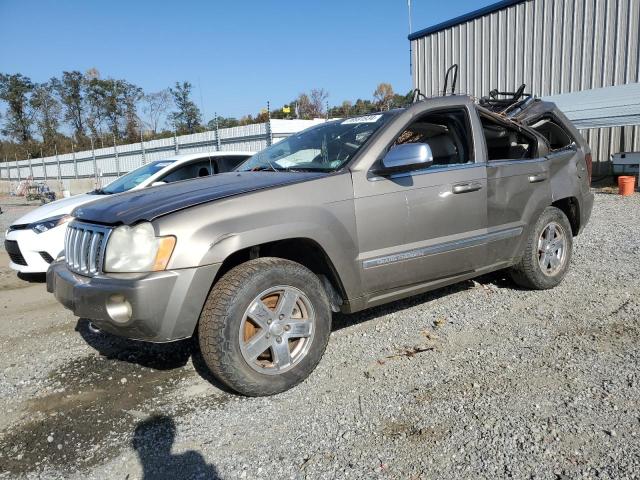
(155, 184)
(409, 156)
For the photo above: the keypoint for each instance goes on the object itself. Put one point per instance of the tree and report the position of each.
(346, 108)
(223, 122)
(383, 96)
(14, 89)
(71, 90)
(155, 107)
(311, 105)
(94, 106)
(187, 117)
(131, 95)
(47, 111)
(318, 99)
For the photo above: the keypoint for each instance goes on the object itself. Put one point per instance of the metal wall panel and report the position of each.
(111, 162)
(554, 46)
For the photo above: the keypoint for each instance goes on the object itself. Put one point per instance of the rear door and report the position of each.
(517, 185)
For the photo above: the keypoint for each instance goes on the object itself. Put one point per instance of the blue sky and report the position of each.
(237, 54)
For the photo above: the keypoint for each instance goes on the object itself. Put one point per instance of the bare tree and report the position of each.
(346, 108)
(383, 96)
(155, 107)
(311, 105)
(318, 98)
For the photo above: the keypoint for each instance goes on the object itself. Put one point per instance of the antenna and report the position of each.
(201, 102)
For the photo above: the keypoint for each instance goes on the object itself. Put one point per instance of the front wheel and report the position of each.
(547, 253)
(265, 326)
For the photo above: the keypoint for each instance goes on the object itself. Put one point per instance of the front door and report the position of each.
(424, 225)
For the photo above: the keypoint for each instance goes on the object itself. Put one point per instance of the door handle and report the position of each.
(466, 187)
(538, 177)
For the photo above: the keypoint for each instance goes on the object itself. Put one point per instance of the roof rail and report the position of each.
(511, 102)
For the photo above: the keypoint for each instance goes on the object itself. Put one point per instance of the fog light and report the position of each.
(118, 308)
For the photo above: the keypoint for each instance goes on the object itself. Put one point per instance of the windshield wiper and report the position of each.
(303, 169)
(264, 168)
(99, 191)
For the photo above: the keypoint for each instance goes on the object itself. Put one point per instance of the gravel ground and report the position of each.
(479, 380)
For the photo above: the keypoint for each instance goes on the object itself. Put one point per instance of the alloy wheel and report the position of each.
(277, 330)
(552, 250)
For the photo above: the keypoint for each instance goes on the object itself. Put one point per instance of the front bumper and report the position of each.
(32, 245)
(162, 306)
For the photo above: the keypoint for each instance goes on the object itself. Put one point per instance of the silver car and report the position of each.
(343, 216)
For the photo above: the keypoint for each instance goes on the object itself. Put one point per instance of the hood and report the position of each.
(64, 206)
(152, 202)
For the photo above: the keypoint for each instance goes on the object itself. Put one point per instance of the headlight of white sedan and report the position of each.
(42, 226)
(137, 249)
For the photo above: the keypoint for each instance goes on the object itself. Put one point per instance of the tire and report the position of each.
(536, 272)
(234, 325)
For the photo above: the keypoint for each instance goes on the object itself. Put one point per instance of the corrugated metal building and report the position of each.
(553, 46)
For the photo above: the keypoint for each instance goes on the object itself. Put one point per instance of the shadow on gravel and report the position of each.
(499, 279)
(159, 356)
(152, 441)
(33, 277)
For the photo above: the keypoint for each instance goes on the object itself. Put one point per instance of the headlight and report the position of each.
(137, 249)
(49, 223)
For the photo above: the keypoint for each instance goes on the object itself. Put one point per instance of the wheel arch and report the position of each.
(571, 208)
(302, 250)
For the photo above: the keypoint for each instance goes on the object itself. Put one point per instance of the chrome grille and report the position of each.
(84, 247)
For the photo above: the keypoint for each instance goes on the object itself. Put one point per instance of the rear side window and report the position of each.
(556, 136)
(230, 163)
(506, 143)
(446, 132)
(201, 168)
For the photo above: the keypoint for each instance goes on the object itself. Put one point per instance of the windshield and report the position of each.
(134, 178)
(324, 148)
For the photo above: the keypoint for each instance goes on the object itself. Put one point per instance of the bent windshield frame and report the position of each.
(323, 148)
(135, 177)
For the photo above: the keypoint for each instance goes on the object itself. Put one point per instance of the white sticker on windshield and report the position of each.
(362, 119)
(163, 164)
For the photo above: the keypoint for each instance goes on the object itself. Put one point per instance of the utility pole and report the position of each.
(18, 168)
(217, 131)
(115, 151)
(75, 163)
(95, 164)
(44, 166)
(144, 158)
(55, 146)
(269, 133)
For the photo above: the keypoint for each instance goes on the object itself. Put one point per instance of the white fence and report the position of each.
(105, 164)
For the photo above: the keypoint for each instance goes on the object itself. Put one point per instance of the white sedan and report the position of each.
(36, 239)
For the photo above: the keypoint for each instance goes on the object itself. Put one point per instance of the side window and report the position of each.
(446, 132)
(556, 136)
(227, 164)
(201, 168)
(506, 143)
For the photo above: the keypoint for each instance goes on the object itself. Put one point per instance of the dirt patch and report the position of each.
(94, 405)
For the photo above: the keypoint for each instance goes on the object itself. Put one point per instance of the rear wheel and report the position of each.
(547, 253)
(265, 326)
